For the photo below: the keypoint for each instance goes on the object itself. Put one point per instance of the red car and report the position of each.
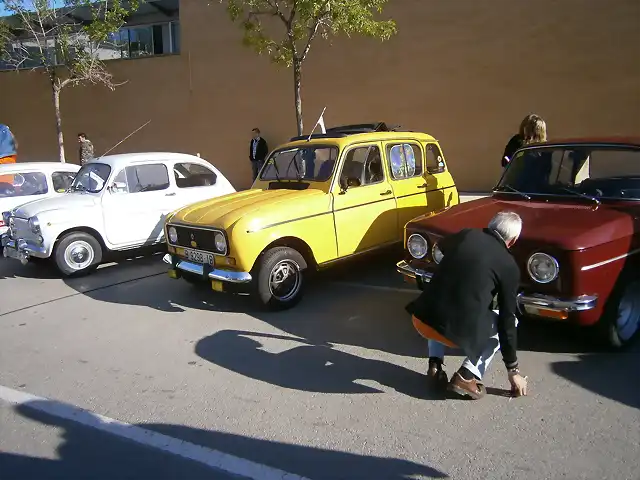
(579, 251)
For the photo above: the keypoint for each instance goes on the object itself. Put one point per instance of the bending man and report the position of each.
(456, 308)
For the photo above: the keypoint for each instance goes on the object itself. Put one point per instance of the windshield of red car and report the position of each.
(596, 171)
(311, 163)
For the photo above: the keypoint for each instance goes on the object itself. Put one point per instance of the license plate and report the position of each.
(199, 257)
(11, 253)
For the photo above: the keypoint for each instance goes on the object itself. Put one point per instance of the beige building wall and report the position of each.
(463, 71)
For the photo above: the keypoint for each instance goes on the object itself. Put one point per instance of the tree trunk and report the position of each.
(55, 92)
(297, 80)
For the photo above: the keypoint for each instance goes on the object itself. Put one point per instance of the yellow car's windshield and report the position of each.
(313, 163)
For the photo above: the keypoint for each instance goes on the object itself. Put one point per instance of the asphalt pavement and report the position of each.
(127, 373)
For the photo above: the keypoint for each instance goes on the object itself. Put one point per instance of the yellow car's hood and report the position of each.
(260, 205)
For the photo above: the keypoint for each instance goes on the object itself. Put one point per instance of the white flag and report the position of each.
(321, 122)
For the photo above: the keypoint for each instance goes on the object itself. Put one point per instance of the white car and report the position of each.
(117, 202)
(22, 182)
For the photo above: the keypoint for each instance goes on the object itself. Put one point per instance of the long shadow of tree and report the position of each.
(90, 453)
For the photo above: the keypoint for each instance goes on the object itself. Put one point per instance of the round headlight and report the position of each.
(543, 268)
(436, 253)
(173, 235)
(221, 243)
(417, 246)
(34, 224)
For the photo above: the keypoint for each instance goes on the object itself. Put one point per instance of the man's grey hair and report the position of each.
(506, 224)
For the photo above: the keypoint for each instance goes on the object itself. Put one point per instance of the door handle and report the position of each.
(422, 186)
(172, 194)
(388, 192)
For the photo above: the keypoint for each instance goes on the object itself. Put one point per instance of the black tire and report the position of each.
(84, 241)
(624, 303)
(280, 259)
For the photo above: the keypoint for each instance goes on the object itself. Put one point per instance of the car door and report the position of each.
(364, 213)
(407, 178)
(194, 182)
(136, 205)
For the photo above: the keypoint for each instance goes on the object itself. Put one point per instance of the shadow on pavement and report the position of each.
(613, 376)
(308, 367)
(89, 453)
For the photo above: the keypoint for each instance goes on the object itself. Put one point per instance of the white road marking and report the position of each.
(212, 458)
(415, 291)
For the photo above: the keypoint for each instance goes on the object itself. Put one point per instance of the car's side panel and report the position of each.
(315, 228)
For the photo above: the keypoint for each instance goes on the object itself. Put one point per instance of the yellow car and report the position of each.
(317, 200)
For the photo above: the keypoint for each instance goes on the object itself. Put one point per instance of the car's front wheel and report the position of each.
(77, 253)
(280, 278)
(621, 321)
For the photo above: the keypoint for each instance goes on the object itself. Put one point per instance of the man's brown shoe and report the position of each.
(466, 388)
(438, 377)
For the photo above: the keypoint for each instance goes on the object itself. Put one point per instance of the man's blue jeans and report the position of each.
(437, 349)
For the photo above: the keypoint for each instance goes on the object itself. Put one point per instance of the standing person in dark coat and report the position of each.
(518, 140)
(456, 308)
(258, 151)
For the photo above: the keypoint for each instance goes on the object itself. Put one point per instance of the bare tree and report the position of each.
(40, 36)
(303, 21)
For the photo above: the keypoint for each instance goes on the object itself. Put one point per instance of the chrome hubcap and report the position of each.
(628, 319)
(285, 280)
(79, 255)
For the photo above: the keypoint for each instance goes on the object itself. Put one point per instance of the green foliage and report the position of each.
(303, 20)
(72, 57)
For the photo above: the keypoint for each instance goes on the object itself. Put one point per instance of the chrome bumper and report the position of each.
(21, 249)
(215, 274)
(526, 301)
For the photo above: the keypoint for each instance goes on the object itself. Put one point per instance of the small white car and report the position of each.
(22, 182)
(117, 202)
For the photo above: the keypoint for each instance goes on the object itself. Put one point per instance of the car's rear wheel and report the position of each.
(77, 253)
(621, 320)
(280, 278)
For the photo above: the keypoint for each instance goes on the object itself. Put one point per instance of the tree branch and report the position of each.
(317, 21)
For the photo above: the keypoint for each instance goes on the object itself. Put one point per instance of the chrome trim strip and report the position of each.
(405, 269)
(215, 274)
(614, 259)
(288, 221)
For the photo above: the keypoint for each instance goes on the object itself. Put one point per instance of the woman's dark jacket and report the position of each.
(514, 144)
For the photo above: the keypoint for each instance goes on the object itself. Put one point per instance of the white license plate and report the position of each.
(11, 253)
(199, 257)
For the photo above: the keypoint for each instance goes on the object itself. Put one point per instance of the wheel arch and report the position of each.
(297, 244)
(83, 229)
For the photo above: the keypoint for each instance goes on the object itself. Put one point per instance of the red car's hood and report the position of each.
(568, 226)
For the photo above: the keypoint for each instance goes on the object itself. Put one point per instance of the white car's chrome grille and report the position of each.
(21, 229)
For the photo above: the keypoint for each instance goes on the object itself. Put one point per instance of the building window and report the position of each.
(145, 41)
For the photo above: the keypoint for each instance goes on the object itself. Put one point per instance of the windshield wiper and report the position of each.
(517, 191)
(583, 195)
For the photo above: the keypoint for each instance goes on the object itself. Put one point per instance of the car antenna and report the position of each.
(121, 141)
(319, 122)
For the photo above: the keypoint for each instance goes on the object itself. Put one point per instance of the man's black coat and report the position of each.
(457, 303)
(261, 151)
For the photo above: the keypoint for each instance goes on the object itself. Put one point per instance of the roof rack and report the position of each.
(345, 130)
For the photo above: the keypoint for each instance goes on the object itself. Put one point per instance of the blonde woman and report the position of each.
(535, 130)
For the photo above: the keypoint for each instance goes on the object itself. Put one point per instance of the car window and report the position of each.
(595, 171)
(22, 184)
(62, 180)
(313, 163)
(363, 164)
(435, 162)
(149, 177)
(405, 160)
(193, 175)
